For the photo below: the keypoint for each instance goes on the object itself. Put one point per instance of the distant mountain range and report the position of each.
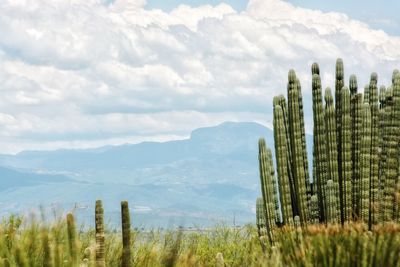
(212, 177)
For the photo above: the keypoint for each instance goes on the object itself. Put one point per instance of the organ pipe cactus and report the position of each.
(303, 141)
(356, 155)
(314, 210)
(331, 143)
(268, 186)
(332, 215)
(339, 83)
(365, 163)
(126, 235)
(281, 147)
(357, 132)
(100, 237)
(374, 164)
(346, 177)
(319, 152)
(296, 142)
(260, 215)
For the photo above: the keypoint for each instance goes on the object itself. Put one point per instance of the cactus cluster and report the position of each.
(356, 156)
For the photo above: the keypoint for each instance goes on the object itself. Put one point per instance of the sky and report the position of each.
(87, 73)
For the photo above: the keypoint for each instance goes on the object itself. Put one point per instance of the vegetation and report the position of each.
(356, 158)
(345, 214)
(34, 243)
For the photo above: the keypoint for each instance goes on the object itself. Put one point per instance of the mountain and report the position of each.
(11, 179)
(208, 178)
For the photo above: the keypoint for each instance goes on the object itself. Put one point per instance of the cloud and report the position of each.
(84, 73)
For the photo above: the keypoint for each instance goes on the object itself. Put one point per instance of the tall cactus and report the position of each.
(339, 84)
(126, 235)
(355, 110)
(382, 151)
(374, 164)
(267, 185)
(100, 237)
(356, 155)
(396, 128)
(281, 163)
(303, 141)
(331, 143)
(319, 152)
(296, 142)
(365, 162)
(346, 182)
(281, 101)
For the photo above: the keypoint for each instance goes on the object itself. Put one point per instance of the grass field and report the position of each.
(32, 243)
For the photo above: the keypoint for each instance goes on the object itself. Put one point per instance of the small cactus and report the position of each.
(100, 237)
(126, 235)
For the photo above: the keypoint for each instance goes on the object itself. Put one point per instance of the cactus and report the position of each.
(331, 143)
(126, 235)
(356, 155)
(260, 216)
(346, 177)
(332, 214)
(72, 240)
(366, 93)
(281, 101)
(303, 142)
(282, 163)
(374, 164)
(267, 186)
(339, 84)
(357, 101)
(100, 237)
(319, 152)
(315, 69)
(296, 141)
(314, 207)
(365, 163)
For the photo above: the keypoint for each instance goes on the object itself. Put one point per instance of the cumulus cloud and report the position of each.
(77, 73)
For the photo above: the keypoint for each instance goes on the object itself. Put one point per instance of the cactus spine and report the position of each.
(126, 235)
(100, 237)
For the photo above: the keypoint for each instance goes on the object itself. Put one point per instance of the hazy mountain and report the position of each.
(210, 177)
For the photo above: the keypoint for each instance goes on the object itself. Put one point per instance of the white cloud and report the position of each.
(81, 73)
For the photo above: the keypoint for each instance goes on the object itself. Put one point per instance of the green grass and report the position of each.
(24, 243)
